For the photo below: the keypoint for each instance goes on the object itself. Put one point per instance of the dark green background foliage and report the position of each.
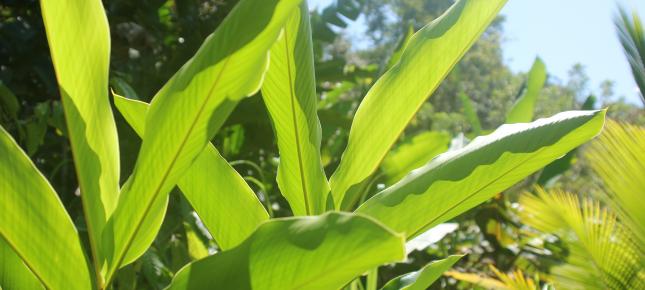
(151, 39)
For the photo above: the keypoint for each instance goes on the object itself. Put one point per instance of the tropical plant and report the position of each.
(632, 37)
(603, 244)
(320, 248)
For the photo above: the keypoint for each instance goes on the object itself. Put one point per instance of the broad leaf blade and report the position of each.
(79, 40)
(414, 154)
(14, 274)
(191, 107)
(423, 278)
(33, 222)
(225, 203)
(289, 92)
(458, 180)
(522, 110)
(394, 99)
(321, 252)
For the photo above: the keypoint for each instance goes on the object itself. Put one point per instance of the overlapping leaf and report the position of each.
(79, 40)
(458, 180)
(220, 196)
(422, 279)
(14, 274)
(289, 92)
(35, 225)
(190, 108)
(321, 252)
(396, 96)
(414, 154)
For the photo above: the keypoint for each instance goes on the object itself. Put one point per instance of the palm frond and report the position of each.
(513, 281)
(618, 158)
(632, 38)
(602, 254)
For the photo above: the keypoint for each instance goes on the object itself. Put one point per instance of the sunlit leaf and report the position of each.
(394, 99)
(14, 274)
(190, 108)
(414, 154)
(524, 107)
(34, 223)
(458, 180)
(224, 202)
(317, 252)
(470, 113)
(79, 41)
(289, 92)
(422, 279)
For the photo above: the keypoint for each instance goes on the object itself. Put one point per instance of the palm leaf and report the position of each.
(458, 180)
(632, 38)
(35, 225)
(289, 92)
(318, 252)
(618, 157)
(601, 253)
(394, 99)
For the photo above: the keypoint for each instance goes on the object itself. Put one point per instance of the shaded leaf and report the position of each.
(414, 154)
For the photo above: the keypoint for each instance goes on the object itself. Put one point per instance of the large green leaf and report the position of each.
(394, 99)
(14, 274)
(414, 154)
(317, 252)
(458, 180)
(189, 110)
(289, 92)
(225, 203)
(423, 278)
(522, 110)
(79, 40)
(33, 222)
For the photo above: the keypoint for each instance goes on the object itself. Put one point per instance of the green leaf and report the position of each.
(600, 251)
(471, 113)
(14, 274)
(8, 102)
(618, 158)
(34, 223)
(423, 278)
(458, 180)
(522, 110)
(560, 166)
(316, 252)
(223, 200)
(394, 99)
(79, 41)
(414, 154)
(632, 37)
(396, 55)
(189, 110)
(289, 92)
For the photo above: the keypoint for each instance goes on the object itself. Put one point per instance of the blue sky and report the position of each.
(562, 33)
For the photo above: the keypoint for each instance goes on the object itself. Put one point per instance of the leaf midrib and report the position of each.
(167, 172)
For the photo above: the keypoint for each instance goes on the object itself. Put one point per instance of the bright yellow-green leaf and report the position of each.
(618, 158)
(470, 113)
(422, 279)
(316, 252)
(394, 99)
(196, 248)
(458, 180)
(414, 154)
(225, 203)
(522, 110)
(79, 40)
(14, 274)
(289, 92)
(34, 223)
(191, 107)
